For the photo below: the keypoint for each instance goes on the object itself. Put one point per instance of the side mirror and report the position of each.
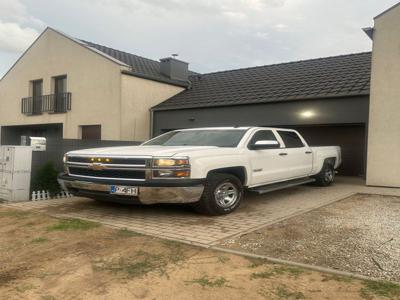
(261, 145)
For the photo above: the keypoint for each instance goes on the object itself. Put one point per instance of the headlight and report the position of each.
(171, 167)
(170, 162)
(65, 158)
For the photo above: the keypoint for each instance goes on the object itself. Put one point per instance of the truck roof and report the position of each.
(232, 128)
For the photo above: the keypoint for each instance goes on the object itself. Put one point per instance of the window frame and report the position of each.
(277, 138)
(278, 131)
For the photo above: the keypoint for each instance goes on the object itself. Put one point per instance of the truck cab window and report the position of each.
(263, 135)
(291, 139)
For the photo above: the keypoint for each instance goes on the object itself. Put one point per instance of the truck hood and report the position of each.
(142, 150)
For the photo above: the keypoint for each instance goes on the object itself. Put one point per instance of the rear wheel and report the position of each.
(222, 195)
(326, 176)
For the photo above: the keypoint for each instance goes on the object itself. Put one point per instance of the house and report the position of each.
(67, 88)
(88, 91)
(331, 101)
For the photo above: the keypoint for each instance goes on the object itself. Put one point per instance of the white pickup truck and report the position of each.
(207, 167)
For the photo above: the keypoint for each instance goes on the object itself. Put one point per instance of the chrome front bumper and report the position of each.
(147, 194)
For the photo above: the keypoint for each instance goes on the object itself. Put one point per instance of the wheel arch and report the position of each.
(238, 171)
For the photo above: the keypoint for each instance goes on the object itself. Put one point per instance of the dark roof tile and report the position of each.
(344, 75)
(140, 65)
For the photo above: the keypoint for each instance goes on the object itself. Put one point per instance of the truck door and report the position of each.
(267, 165)
(299, 155)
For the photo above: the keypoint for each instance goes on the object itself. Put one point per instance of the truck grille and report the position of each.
(119, 168)
(113, 160)
(109, 173)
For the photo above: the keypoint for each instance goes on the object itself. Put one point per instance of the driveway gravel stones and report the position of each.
(359, 234)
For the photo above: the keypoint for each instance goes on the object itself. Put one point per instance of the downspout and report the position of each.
(151, 122)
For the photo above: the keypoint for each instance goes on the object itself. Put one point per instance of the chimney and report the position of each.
(174, 68)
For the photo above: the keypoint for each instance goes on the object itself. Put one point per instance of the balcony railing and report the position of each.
(54, 103)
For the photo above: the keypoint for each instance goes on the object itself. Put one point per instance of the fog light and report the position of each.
(171, 173)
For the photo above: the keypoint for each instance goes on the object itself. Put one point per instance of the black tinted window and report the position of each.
(291, 139)
(263, 135)
(207, 137)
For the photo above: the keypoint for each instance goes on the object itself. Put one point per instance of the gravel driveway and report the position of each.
(359, 234)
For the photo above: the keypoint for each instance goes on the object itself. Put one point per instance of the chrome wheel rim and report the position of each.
(329, 175)
(226, 194)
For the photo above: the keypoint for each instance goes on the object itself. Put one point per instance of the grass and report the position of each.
(223, 259)
(328, 277)
(205, 281)
(48, 297)
(136, 266)
(281, 270)
(283, 293)
(126, 233)
(24, 287)
(72, 224)
(40, 240)
(256, 262)
(15, 213)
(380, 288)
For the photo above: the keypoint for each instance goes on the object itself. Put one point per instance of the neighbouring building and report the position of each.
(68, 88)
(383, 167)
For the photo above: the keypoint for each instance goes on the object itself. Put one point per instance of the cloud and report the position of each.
(211, 34)
(18, 29)
(14, 38)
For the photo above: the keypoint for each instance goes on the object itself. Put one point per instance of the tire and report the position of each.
(326, 176)
(213, 202)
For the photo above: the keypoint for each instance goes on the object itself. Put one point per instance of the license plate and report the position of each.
(124, 190)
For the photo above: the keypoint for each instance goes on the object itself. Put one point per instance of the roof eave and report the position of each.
(164, 108)
(387, 10)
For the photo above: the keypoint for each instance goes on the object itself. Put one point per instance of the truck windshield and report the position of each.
(218, 138)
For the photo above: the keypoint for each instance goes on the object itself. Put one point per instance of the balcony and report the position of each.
(54, 103)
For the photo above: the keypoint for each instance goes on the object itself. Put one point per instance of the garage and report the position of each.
(326, 100)
(351, 139)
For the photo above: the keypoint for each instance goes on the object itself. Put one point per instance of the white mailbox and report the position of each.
(15, 172)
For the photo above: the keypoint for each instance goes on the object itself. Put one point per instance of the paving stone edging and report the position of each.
(300, 265)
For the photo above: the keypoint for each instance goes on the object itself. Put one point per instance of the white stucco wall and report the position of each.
(138, 96)
(383, 162)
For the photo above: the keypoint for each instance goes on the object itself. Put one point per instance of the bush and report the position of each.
(46, 179)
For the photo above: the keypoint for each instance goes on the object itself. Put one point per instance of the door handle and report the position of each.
(283, 154)
(308, 152)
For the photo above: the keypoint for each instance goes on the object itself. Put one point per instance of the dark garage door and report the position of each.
(350, 138)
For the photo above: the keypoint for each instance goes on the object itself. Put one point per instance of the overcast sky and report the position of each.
(211, 35)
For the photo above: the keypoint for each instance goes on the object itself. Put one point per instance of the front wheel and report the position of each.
(222, 194)
(326, 176)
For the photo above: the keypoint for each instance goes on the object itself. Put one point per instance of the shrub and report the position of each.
(46, 179)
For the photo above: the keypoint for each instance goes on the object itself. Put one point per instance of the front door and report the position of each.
(267, 165)
(299, 156)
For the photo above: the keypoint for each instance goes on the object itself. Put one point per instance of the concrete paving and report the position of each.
(180, 223)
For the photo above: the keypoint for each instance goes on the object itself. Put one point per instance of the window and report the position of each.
(60, 89)
(91, 132)
(291, 139)
(263, 135)
(37, 92)
(218, 138)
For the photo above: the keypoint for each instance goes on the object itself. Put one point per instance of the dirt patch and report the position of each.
(358, 234)
(48, 258)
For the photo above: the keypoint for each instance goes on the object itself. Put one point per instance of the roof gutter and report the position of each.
(164, 108)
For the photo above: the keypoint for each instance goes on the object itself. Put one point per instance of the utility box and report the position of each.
(15, 172)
